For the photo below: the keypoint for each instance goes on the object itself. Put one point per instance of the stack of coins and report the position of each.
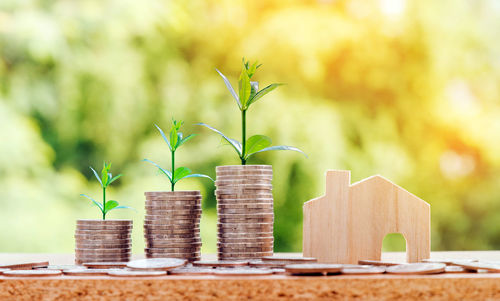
(103, 240)
(172, 224)
(244, 211)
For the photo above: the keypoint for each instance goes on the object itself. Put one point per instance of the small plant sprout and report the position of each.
(248, 94)
(176, 140)
(105, 180)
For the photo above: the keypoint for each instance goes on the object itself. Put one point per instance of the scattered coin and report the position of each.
(127, 273)
(377, 263)
(266, 264)
(455, 269)
(24, 265)
(313, 268)
(447, 261)
(59, 267)
(105, 265)
(242, 272)
(221, 263)
(417, 268)
(370, 270)
(87, 272)
(491, 267)
(31, 273)
(191, 271)
(162, 264)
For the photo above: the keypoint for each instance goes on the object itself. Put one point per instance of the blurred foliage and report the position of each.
(403, 88)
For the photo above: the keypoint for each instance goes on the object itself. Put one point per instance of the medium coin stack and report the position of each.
(244, 211)
(172, 224)
(103, 240)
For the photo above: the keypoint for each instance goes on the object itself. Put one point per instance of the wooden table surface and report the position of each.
(481, 286)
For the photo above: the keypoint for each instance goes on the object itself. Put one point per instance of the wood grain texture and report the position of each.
(350, 222)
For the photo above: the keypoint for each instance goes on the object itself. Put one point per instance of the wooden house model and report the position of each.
(349, 222)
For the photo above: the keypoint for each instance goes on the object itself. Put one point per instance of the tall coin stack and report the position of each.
(172, 224)
(244, 211)
(103, 241)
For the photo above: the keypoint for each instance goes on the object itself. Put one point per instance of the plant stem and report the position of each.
(173, 169)
(104, 203)
(243, 136)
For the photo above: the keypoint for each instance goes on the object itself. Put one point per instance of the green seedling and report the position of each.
(105, 180)
(248, 94)
(176, 140)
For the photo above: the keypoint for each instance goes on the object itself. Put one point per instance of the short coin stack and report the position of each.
(172, 224)
(103, 240)
(244, 211)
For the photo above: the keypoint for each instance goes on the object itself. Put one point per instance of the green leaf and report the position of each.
(164, 137)
(230, 88)
(186, 139)
(197, 175)
(255, 89)
(173, 138)
(180, 173)
(251, 70)
(114, 179)
(99, 205)
(179, 140)
(263, 92)
(164, 171)
(110, 205)
(97, 176)
(125, 207)
(278, 147)
(104, 174)
(234, 143)
(244, 88)
(257, 143)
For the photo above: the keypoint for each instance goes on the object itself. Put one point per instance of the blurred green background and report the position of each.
(403, 88)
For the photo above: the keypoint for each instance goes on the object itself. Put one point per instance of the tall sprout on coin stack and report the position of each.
(245, 201)
(248, 94)
(105, 179)
(177, 139)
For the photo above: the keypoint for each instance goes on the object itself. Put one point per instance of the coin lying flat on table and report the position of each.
(31, 273)
(242, 272)
(370, 270)
(24, 265)
(105, 265)
(447, 261)
(221, 263)
(127, 273)
(313, 268)
(456, 269)
(191, 271)
(266, 264)
(59, 267)
(417, 268)
(87, 272)
(377, 263)
(162, 264)
(476, 266)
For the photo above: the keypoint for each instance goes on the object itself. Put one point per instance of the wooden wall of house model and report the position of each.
(349, 222)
